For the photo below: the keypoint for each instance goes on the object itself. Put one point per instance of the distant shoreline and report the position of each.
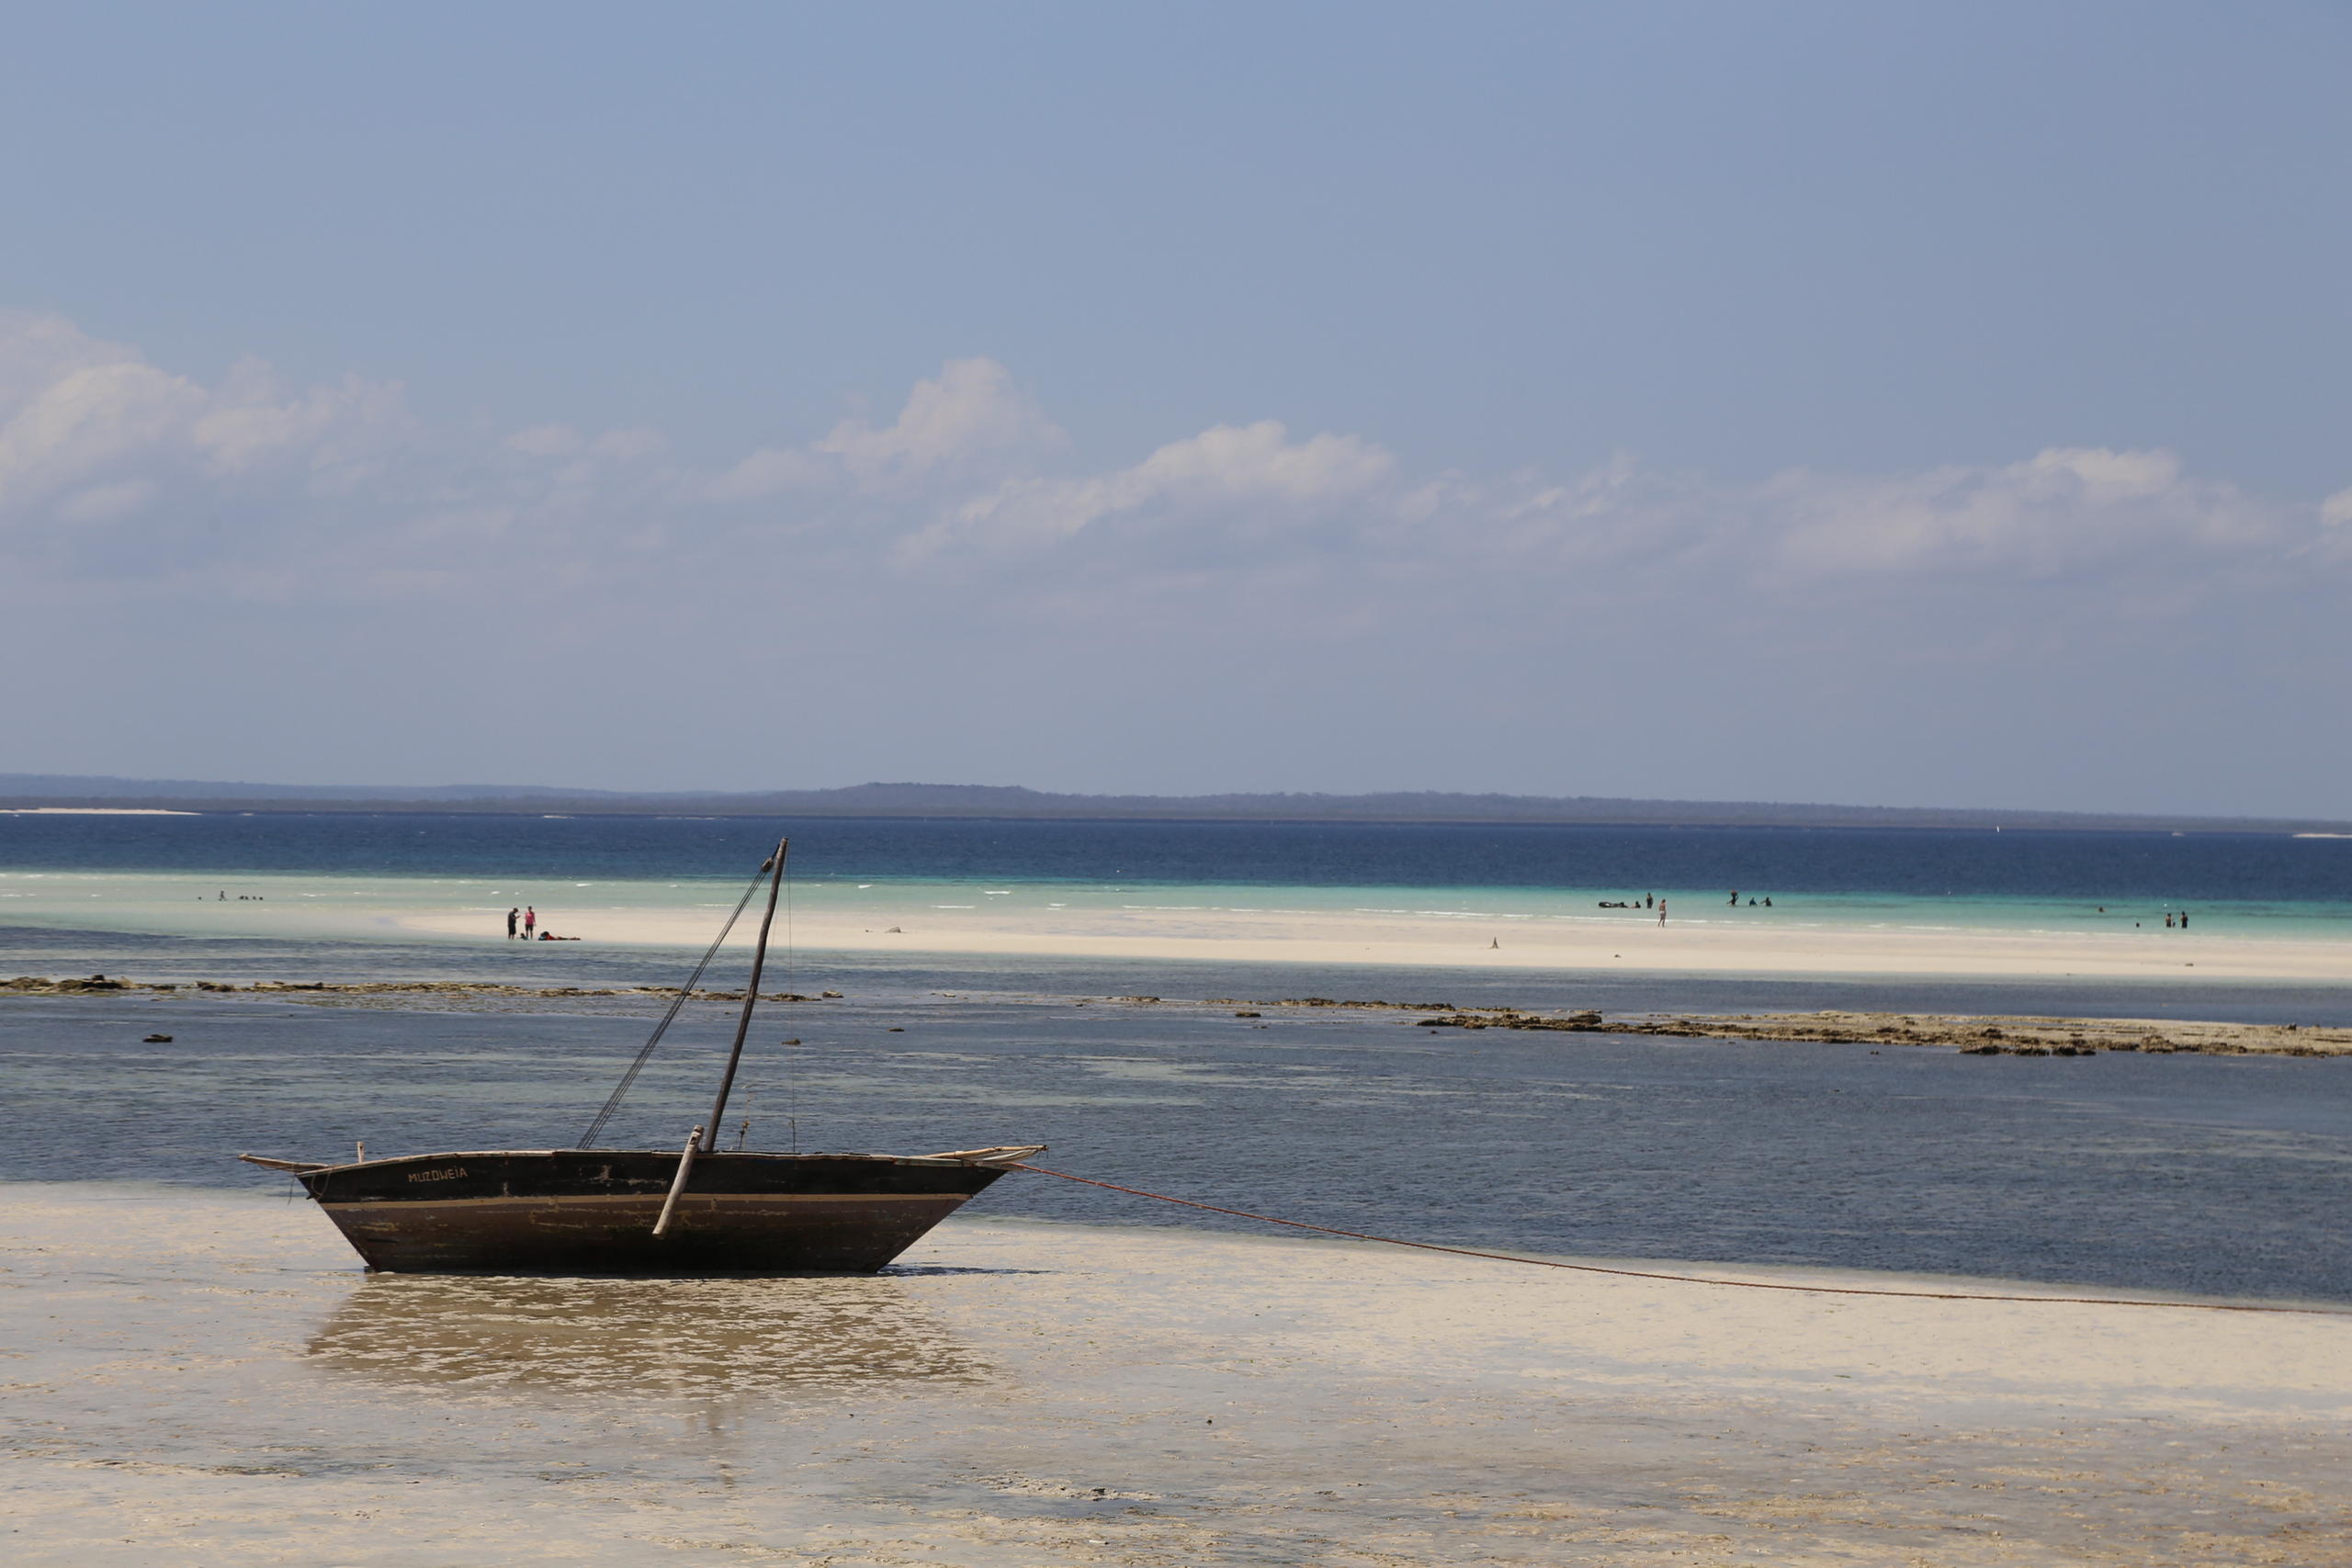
(62, 794)
(122, 811)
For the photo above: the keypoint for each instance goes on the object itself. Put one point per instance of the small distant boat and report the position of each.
(696, 1210)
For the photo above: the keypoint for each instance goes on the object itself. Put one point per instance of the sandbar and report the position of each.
(1388, 940)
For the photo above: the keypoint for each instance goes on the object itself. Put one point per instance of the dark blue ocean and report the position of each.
(2057, 867)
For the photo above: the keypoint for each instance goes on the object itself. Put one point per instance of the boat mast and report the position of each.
(751, 994)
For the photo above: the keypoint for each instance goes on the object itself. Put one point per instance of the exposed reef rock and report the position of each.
(40, 986)
(1971, 1036)
(1975, 1036)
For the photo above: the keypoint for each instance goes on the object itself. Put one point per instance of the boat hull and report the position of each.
(592, 1210)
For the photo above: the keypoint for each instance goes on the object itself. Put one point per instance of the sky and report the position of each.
(1875, 404)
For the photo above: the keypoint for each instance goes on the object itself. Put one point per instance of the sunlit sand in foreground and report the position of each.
(206, 1377)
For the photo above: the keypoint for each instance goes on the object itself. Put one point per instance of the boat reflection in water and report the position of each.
(645, 1338)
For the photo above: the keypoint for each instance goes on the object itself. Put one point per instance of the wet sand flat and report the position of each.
(201, 1377)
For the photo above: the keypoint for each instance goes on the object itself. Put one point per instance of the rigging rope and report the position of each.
(677, 1003)
(791, 1047)
(1681, 1278)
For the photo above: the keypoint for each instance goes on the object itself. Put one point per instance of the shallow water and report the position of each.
(2220, 1175)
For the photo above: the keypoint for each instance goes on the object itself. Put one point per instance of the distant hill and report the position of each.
(1012, 801)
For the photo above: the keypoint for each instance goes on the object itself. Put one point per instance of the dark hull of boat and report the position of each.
(592, 1210)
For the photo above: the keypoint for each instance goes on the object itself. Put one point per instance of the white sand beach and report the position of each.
(205, 1377)
(1696, 946)
(1432, 929)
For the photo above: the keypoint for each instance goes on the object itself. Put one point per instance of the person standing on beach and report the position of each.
(512, 916)
(530, 921)
(1661, 911)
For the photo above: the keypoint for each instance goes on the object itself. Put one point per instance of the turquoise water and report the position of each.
(348, 907)
(354, 876)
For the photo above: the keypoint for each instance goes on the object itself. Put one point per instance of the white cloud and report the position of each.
(767, 472)
(2063, 510)
(948, 574)
(37, 351)
(102, 452)
(91, 423)
(563, 441)
(100, 503)
(972, 420)
(250, 424)
(546, 441)
(628, 446)
(1249, 478)
(971, 481)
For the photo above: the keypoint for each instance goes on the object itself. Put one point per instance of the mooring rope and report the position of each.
(1681, 1278)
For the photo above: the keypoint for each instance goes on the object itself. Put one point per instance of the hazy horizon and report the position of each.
(877, 799)
(1936, 409)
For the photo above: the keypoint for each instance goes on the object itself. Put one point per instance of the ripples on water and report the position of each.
(2212, 1174)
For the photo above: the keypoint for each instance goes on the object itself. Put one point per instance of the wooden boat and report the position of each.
(589, 1210)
